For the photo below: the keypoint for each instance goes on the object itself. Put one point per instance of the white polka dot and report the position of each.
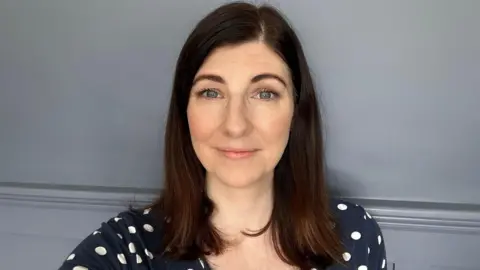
(368, 250)
(342, 206)
(80, 268)
(96, 232)
(148, 227)
(132, 248)
(364, 217)
(132, 229)
(147, 211)
(119, 236)
(121, 258)
(139, 259)
(368, 215)
(379, 239)
(100, 251)
(356, 235)
(362, 267)
(313, 269)
(117, 219)
(149, 254)
(346, 256)
(69, 258)
(383, 263)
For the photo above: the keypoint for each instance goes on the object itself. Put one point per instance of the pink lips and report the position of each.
(238, 153)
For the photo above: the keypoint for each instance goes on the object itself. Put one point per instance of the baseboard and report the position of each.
(404, 215)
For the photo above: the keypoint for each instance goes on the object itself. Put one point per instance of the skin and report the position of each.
(241, 99)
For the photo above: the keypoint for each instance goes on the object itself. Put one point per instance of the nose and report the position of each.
(236, 123)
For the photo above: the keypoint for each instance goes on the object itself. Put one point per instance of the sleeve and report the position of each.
(377, 258)
(361, 236)
(118, 244)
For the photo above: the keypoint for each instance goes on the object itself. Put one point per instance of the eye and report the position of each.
(209, 93)
(266, 94)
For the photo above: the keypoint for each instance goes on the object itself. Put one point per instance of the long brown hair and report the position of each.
(301, 221)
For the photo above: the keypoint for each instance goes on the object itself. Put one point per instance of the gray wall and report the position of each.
(84, 87)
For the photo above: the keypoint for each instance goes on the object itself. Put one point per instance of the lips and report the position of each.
(237, 153)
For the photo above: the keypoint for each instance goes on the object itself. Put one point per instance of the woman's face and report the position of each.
(239, 113)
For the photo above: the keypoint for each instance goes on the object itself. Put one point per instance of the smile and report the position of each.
(238, 153)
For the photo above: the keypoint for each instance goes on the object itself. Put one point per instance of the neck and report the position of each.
(245, 209)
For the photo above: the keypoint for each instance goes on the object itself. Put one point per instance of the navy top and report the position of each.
(125, 241)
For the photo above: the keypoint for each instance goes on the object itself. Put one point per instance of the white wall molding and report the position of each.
(425, 216)
(405, 215)
(70, 196)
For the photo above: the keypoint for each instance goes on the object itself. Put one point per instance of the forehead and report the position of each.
(247, 59)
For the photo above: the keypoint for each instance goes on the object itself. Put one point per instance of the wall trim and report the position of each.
(405, 215)
(424, 216)
(74, 196)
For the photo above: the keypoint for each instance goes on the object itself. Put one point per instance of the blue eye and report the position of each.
(209, 93)
(267, 94)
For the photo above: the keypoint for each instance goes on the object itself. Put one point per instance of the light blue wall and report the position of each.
(84, 89)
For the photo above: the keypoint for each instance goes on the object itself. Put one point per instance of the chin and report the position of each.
(238, 178)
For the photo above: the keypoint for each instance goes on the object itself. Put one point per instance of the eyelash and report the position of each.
(274, 93)
(203, 91)
(263, 90)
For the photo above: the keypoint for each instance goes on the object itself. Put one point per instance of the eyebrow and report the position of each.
(257, 78)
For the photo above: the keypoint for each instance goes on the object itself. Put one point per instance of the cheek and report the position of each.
(275, 129)
(202, 128)
(200, 123)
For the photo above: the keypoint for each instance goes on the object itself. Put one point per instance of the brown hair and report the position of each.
(301, 221)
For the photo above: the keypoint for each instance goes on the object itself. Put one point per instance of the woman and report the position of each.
(244, 169)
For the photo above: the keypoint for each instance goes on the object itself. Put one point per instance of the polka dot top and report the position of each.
(125, 241)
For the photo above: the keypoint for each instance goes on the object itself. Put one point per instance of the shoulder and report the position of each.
(353, 220)
(126, 239)
(360, 234)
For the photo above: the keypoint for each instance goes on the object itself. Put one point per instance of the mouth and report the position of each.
(234, 153)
